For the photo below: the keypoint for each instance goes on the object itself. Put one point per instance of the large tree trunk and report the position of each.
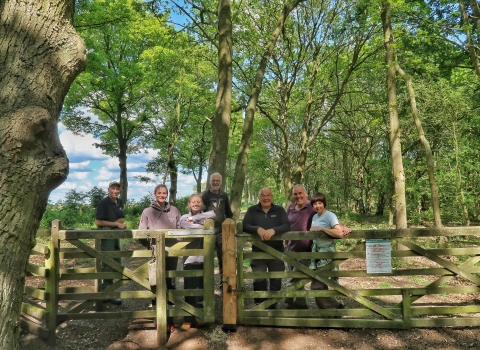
(223, 107)
(395, 146)
(242, 158)
(40, 55)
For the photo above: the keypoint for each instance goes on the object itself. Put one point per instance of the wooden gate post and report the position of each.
(52, 263)
(161, 290)
(229, 277)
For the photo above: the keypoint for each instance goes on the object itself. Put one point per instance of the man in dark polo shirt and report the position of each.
(110, 216)
(266, 219)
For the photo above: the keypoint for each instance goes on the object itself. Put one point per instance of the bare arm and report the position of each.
(335, 232)
(119, 223)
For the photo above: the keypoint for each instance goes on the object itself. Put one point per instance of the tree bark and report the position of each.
(40, 56)
(426, 146)
(395, 145)
(242, 158)
(223, 106)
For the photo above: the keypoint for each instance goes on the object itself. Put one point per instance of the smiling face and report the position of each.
(161, 195)
(215, 183)
(319, 207)
(114, 192)
(300, 196)
(266, 197)
(195, 204)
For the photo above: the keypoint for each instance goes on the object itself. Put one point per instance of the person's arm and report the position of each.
(186, 223)
(335, 232)
(346, 230)
(283, 225)
(119, 223)
(201, 217)
(248, 222)
(143, 224)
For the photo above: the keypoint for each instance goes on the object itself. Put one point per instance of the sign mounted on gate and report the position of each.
(379, 256)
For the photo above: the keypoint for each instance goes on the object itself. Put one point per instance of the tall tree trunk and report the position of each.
(471, 46)
(395, 146)
(242, 158)
(40, 55)
(223, 106)
(459, 178)
(426, 146)
(173, 170)
(122, 162)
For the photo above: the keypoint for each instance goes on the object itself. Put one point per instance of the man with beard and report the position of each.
(217, 200)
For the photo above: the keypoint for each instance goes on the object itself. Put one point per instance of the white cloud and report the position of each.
(80, 165)
(79, 148)
(78, 175)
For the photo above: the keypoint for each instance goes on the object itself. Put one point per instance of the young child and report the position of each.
(194, 219)
(327, 222)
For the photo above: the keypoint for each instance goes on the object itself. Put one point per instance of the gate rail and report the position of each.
(372, 307)
(42, 316)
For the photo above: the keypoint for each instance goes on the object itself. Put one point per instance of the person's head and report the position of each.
(299, 195)
(215, 182)
(195, 203)
(114, 189)
(161, 194)
(266, 197)
(319, 202)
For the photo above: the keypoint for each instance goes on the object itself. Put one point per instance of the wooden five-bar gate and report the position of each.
(371, 300)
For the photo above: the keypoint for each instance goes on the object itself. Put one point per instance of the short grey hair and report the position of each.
(265, 188)
(299, 185)
(217, 174)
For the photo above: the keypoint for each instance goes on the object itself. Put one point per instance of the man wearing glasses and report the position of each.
(266, 219)
(215, 199)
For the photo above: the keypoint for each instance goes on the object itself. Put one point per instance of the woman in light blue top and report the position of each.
(327, 222)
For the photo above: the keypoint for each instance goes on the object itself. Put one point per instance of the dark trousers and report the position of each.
(219, 250)
(111, 244)
(260, 284)
(193, 283)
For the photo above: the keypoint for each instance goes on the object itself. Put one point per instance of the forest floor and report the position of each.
(140, 334)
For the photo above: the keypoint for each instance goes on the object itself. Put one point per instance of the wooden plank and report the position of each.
(36, 270)
(112, 263)
(39, 249)
(52, 264)
(208, 272)
(322, 323)
(161, 290)
(108, 315)
(447, 264)
(406, 308)
(229, 277)
(106, 294)
(35, 292)
(377, 308)
(34, 311)
(446, 322)
(240, 276)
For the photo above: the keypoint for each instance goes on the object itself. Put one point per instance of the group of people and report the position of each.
(210, 204)
(265, 219)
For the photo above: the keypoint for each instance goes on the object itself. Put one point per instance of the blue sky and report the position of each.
(89, 168)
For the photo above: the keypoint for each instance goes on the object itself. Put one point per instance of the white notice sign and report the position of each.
(379, 256)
